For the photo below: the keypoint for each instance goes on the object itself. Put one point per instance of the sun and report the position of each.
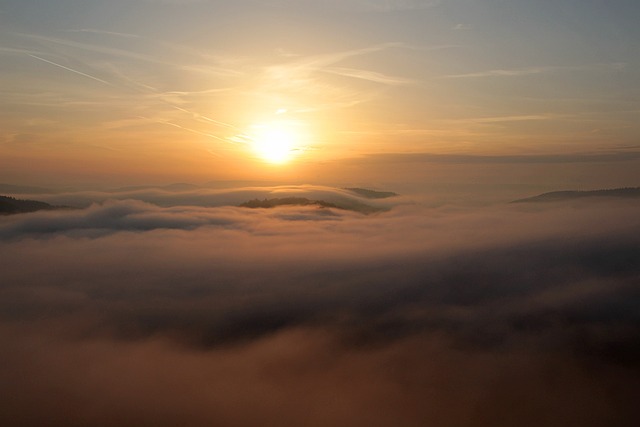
(275, 142)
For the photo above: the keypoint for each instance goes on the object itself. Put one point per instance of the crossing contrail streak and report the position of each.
(70, 69)
(200, 116)
(194, 114)
(185, 128)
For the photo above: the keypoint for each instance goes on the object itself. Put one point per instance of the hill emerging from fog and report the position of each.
(303, 201)
(10, 205)
(557, 196)
(371, 194)
(359, 200)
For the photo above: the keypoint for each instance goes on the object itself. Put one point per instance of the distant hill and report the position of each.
(179, 186)
(303, 201)
(556, 196)
(296, 201)
(10, 205)
(23, 189)
(371, 194)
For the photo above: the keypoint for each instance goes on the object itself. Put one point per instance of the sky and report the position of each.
(393, 282)
(160, 91)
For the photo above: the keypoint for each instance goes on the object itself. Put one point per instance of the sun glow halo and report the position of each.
(275, 142)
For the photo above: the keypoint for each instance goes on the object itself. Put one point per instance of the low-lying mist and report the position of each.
(135, 312)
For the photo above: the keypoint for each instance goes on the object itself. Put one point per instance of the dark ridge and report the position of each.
(10, 206)
(556, 196)
(286, 201)
(303, 201)
(371, 194)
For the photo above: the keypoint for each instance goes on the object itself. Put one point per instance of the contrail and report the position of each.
(200, 116)
(156, 92)
(70, 69)
(196, 115)
(185, 128)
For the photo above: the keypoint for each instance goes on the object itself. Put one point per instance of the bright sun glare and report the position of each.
(274, 142)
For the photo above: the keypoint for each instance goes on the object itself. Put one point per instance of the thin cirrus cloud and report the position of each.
(369, 5)
(302, 80)
(515, 72)
(399, 5)
(174, 47)
(304, 66)
(369, 76)
(298, 78)
(367, 315)
(499, 119)
(81, 54)
(83, 49)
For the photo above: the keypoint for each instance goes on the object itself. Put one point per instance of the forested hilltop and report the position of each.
(11, 205)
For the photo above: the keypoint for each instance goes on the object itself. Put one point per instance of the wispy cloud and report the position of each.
(301, 82)
(109, 33)
(399, 5)
(498, 119)
(515, 72)
(302, 76)
(501, 73)
(366, 5)
(182, 49)
(124, 53)
(19, 51)
(185, 128)
(88, 63)
(317, 62)
(369, 76)
(461, 27)
(92, 47)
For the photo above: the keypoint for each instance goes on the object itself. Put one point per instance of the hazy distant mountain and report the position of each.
(180, 186)
(23, 189)
(371, 194)
(10, 205)
(303, 201)
(556, 196)
(224, 184)
(176, 187)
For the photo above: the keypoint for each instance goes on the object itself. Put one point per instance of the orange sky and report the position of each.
(159, 91)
